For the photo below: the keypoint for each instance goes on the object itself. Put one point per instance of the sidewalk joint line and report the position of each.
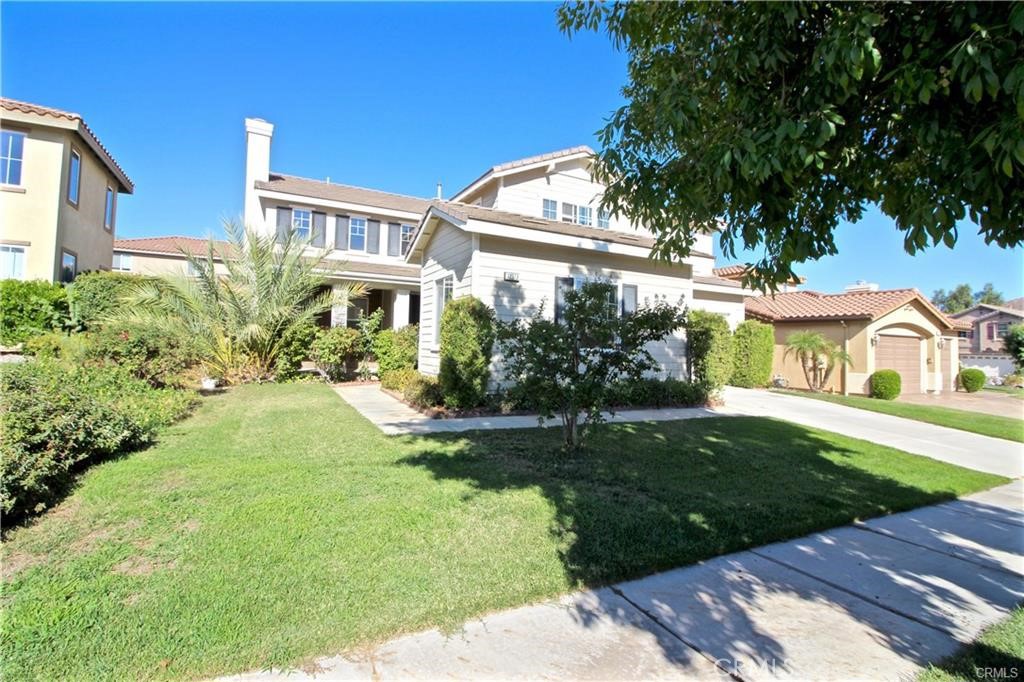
(958, 510)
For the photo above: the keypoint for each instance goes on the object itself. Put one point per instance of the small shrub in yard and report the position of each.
(753, 346)
(708, 348)
(1013, 343)
(1014, 380)
(147, 353)
(971, 379)
(652, 392)
(423, 391)
(73, 348)
(337, 352)
(467, 339)
(55, 416)
(29, 309)
(296, 346)
(396, 349)
(398, 379)
(94, 296)
(886, 384)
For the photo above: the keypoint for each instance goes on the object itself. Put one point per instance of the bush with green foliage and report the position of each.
(396, 349)
(753, 350)
(885, 384)
(296, 346)
(1013, 343)
(70, 347)
(398, 379)
(153, 355)
(95, 296)
(30, 308)
(971, 379)
(467, 339)
(55, 416)
(1015, 380)
(423, 391)
(653, 392)
(337, 352)
(708, 348)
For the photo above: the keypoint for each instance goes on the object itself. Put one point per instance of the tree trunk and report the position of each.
(808, 370)
(570, 428)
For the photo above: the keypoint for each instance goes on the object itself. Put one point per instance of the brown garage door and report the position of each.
(903, 354)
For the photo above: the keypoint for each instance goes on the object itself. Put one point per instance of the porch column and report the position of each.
(400, 309)
(339, 313)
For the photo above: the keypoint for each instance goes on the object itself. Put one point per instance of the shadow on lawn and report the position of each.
(645, 498)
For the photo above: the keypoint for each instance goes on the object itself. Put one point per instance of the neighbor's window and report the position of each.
(407, 233)
(12, 262)
(550, 209)
(445, 290)
(603, 218)
(108, 211)
(122, 262)
(1003, 329)
(74, 177)
(569, 213)
(68, 266)
(12, 145)
(585, 215)
(302, 220)
(357, 234)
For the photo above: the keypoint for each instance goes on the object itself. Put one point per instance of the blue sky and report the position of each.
(390, 96)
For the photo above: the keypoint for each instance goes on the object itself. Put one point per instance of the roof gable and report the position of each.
(521, 166)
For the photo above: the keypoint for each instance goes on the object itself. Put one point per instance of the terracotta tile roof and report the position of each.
(317, 189)
(810, 305)
(84, 130)
(172, 245)
(463, 212)
(736, 272)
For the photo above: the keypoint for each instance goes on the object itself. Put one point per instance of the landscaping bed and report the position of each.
(276, 524)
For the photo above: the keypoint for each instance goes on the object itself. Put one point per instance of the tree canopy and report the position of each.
(774, 121)
(961, 297)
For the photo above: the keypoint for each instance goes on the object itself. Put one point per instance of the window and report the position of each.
(68, 266)
(568, 213)
(565, 284)
(122, 262)
(12, 261)
(108, 211)
(1003, 329)
(74, 177)
(357, 234)
(302, 221)
(550, 209)
(12, 145)
(603, 218)
(445, 289)
(358, 308)
(585, 215)
(407, 233)
(629, 299)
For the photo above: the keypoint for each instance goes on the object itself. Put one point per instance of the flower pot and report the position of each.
(209, 384)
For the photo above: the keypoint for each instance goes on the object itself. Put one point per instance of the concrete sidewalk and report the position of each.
(878, 600)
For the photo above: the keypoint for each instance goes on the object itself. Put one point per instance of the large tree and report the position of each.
(989, 295)
(959, 298)
(774, 121)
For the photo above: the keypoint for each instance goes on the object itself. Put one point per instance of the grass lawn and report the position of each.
(1008, 390)
(998, 654)
(993, 425)
(276, 525)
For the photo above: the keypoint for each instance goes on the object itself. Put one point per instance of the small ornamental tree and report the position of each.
(708, 348)
(1013, 343)
(818, 357)
(568, 368)
(467, 340)
(753, 351)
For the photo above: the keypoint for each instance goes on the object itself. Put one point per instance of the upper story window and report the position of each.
(603, 218)
(550, 209)
(585, 215)
(108, 211)
(12, 146)
(357, 234)
(122, 262)
(407, 233)
(68, 267)
(445, 290)
(570, 213)
(74, 176)
(302, 221)
(12, 261)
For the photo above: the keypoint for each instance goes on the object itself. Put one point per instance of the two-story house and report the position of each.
(989, 324)
(58, 194)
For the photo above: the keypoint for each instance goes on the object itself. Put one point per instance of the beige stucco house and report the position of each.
(58, 194)
(164, 255)
(896, 329)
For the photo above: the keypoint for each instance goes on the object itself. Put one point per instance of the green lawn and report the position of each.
(1017, 393)
(997, 655)
(1007, 428)
(276, 525)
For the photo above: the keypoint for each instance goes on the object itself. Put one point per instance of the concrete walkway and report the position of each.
(971, 450)
(878, 600)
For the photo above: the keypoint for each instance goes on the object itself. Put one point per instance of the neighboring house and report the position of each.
(163, 255)
(981, 342)
(736, 273)
(896, 329)
(525, 232)
(58, 194)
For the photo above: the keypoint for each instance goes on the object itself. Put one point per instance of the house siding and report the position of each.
(449, 252)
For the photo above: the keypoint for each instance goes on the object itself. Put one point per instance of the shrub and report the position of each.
(971, 379)
(94, 296)
(55, 416)
(467, 339)
(1013, 343)
(337, 351)
(398, 379)
(296, 346)
(708, 348)
(652, 392)
(396, 349)
(1015, 380)
(73, 348)
(885, 384)
(29, 309)
(147, 353)
(753, 347)
(423, 391)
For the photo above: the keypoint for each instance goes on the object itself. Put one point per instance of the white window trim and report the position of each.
(440, 302)
(78, 182)
(543, 209)
(19, 185)
(109, 197)
(403, 244)
(606, 217)
(366, 236)
(590, 215)
(121, 256)
(575, 213)
(309, 229)
(74, 273)
(24, 257)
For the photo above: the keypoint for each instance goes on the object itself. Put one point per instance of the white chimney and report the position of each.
(258, 134)
(860, 286)
(440, 197)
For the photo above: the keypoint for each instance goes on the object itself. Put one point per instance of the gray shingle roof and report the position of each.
(317, 189)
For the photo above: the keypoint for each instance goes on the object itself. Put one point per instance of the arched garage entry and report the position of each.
(904, 350)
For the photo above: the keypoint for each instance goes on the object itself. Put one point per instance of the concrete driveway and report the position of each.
(982, 453)
(987, 402)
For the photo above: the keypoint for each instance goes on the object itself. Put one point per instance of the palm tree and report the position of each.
(237, 320)
(817, 355)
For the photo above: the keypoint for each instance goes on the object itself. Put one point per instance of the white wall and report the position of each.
(450, 251)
